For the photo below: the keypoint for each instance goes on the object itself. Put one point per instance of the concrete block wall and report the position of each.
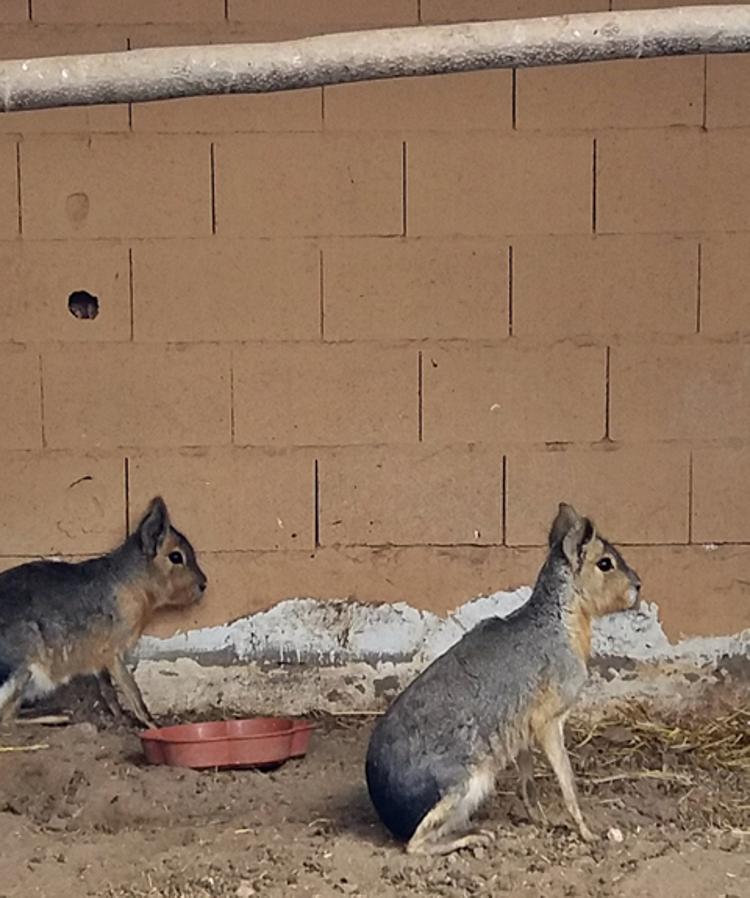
(365, 338)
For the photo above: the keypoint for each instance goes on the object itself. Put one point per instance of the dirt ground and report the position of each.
(85, 816)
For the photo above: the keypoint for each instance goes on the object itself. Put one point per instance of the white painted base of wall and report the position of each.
(304, 655)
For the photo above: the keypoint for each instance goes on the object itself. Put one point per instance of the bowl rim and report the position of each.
(190, 737)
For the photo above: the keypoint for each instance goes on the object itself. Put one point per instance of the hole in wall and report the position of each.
(82, 304)
(77, 207)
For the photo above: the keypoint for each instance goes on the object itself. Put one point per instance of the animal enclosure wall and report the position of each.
(363, 339)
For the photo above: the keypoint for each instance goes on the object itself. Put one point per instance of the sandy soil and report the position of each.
(84, 816)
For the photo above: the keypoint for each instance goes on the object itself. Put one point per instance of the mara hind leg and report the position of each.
(551, 738)
(439, 829)
(11, 694)
(529, 794)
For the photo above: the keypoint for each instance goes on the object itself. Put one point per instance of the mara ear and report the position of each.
(576, 540)
(154, 526)
(567, 517)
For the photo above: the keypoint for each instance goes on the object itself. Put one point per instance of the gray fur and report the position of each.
(472, 706)
(49, 609)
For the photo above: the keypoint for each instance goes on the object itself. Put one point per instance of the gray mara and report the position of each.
(60, 620)
(508, 684)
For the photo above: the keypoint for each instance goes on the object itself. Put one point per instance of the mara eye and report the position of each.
(176, 557)
(604, 564)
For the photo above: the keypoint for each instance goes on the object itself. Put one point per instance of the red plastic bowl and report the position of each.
(256, 742)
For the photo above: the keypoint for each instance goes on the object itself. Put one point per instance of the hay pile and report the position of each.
(721, 740)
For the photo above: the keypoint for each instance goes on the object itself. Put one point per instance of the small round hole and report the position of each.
(82, 304)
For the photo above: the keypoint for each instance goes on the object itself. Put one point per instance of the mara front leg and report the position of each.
(551, 738)
(131, 693)
(108, 694)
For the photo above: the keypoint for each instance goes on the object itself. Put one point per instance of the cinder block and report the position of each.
(415, 289)
(438, 103)
(8, 190)
(727, 85)
(435, 579)
(327, 395)
(634, 494)
(298, 110)
(673, 181)
(692, 391)
(231, 499)
(9, 561)
(40, 40)
(20, 398)
(508, 394)
(411, 496)
(105, 12)
(107, 186)
(721, 495)
(725, 284)
(185, 34)
(307, 185)
(568, 286)
(199, 290)
(699, 592)
(630, 93)
(100, 396)
(321, 16)
(14, 11)
(437, 11)
(190, 34)
(61, 503)
(40, 277)
(659, 4)
(479, 184)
